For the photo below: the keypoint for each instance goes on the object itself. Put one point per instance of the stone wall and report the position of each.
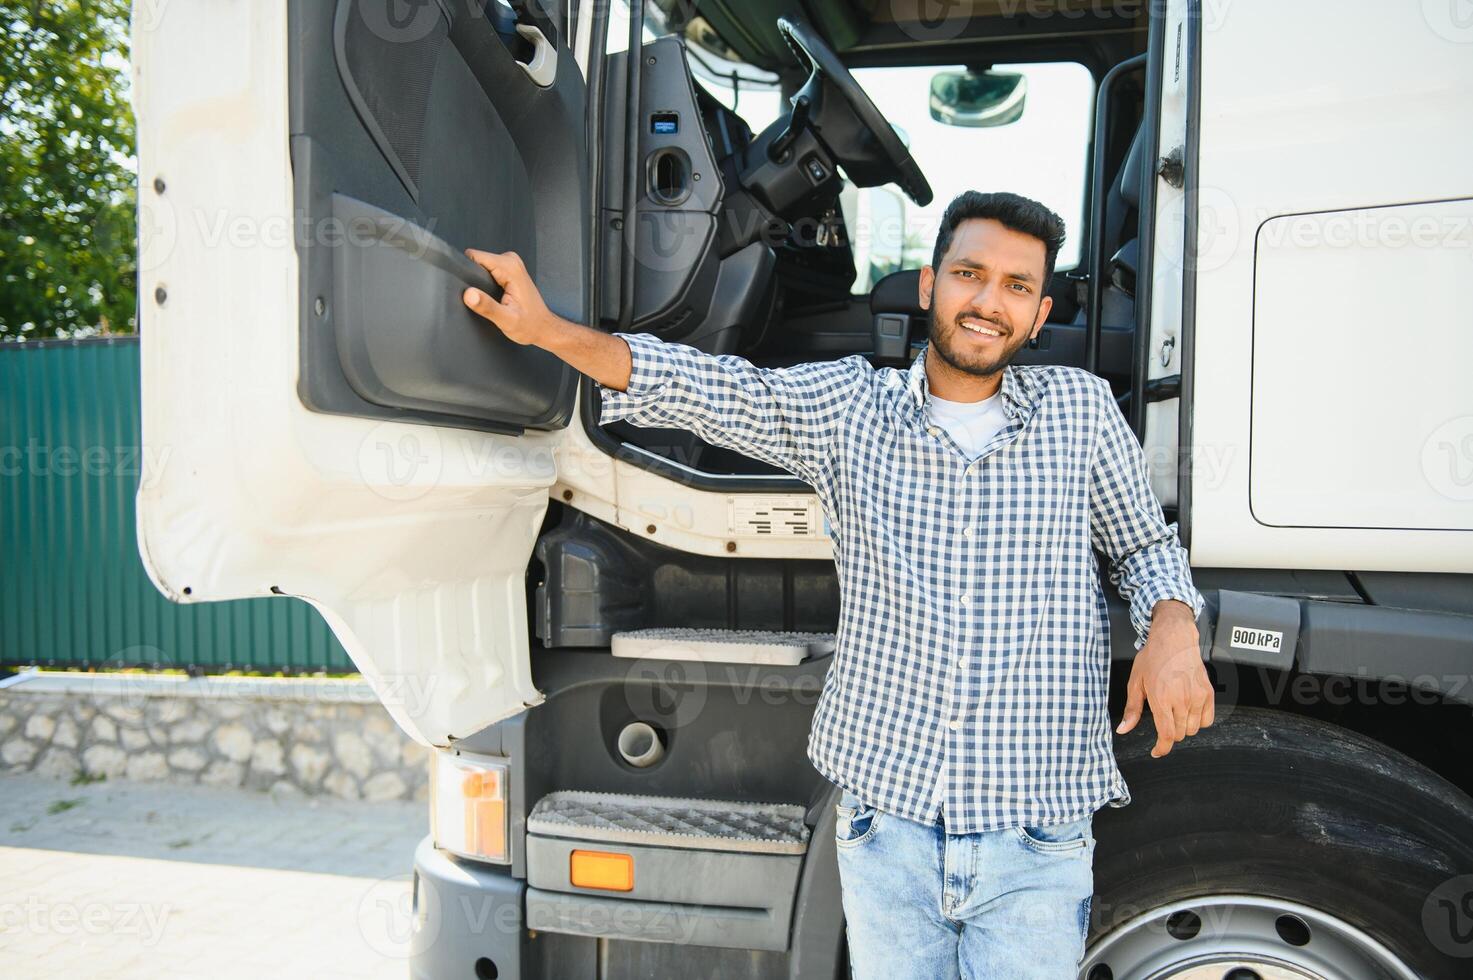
(313, 737)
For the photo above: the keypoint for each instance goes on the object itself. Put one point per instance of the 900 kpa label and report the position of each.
(1247, 638)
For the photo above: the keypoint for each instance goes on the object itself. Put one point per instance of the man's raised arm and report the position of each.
(785, 416)
(522, 315)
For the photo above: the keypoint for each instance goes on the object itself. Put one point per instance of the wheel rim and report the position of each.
(1239, 937)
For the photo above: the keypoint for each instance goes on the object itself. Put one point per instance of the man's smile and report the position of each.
(984, 330)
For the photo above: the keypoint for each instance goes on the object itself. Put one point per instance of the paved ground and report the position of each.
(158, 881)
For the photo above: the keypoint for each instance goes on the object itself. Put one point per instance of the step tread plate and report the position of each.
(668, 821)
(789, 648)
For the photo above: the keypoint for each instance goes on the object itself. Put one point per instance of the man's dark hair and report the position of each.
(1013, 211)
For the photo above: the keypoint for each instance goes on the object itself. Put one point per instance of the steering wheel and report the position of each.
(861, 138)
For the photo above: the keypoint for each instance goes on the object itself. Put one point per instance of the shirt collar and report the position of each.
(1019, 391)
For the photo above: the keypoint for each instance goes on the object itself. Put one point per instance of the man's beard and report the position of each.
(980, 366)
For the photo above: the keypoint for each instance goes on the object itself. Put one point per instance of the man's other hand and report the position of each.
(1168, 673)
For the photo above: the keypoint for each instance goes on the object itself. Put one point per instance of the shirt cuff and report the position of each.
(1154, 592)
(646, 376)
(1143, 603)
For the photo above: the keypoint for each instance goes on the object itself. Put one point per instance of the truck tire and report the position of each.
(1274, 846)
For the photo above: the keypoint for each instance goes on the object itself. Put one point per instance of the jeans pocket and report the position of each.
(856, 822)
(1067, 837)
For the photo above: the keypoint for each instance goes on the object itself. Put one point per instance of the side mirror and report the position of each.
(975, 99)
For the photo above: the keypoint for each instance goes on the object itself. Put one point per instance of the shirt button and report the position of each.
(961, 661)
(954, 724)
(966, 600)
(966, 532)
(931, 430)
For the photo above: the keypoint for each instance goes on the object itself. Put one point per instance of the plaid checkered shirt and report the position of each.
(972, 661)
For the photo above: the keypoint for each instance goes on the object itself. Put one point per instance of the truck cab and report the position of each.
(613, 637)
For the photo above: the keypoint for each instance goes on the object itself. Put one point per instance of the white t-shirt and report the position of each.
(972, 425)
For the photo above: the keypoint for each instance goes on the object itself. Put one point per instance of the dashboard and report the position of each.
(724, 217)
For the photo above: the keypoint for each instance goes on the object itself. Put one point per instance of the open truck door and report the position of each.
(335, 425)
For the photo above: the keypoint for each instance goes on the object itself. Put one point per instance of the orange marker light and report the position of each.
(468, 814)
(601, 869)
(485, 813)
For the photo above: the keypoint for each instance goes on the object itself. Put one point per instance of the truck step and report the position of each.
(668, 821)
(723, 646)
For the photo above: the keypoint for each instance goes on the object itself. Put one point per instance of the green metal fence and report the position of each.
(73, 591)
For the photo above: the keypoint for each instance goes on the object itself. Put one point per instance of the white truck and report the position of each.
(613, 637)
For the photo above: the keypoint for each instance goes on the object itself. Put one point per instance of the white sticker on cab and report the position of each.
(1248, 638)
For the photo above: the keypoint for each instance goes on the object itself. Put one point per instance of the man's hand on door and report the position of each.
(521, 313)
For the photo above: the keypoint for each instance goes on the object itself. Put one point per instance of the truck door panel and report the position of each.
(333, 425)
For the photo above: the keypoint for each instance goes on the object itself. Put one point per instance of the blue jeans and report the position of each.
(1010, 904)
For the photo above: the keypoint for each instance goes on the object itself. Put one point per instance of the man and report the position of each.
(964, 715)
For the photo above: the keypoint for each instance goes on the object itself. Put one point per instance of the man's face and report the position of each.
(987, 299)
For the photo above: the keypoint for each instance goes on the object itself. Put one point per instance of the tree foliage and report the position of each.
(67, 223)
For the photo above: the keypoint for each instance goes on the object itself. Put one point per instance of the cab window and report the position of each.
(1043, 154)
